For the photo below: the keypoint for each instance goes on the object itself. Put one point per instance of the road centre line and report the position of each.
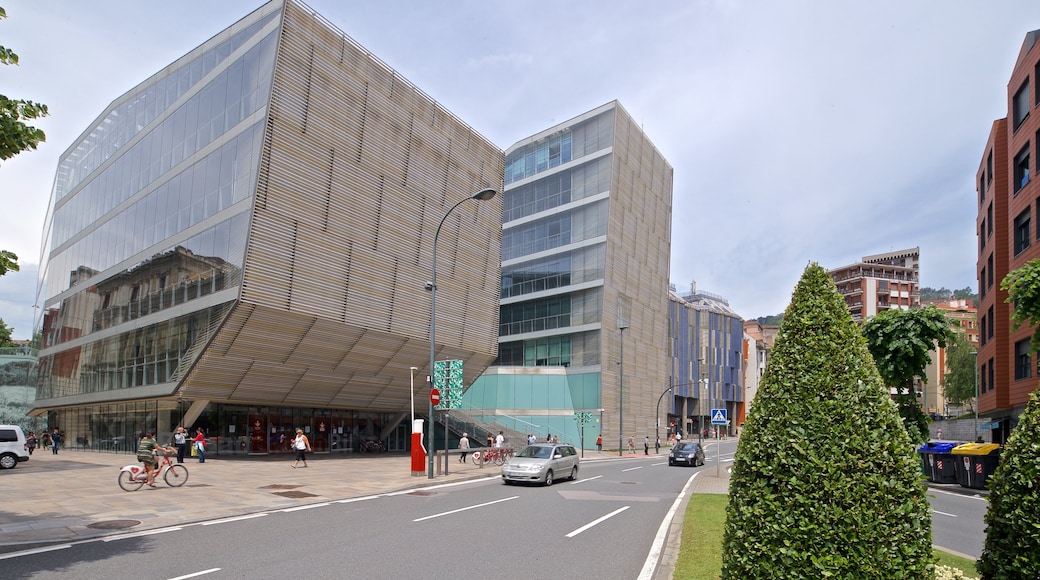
(234, 519)
(354, 499)
(632, 468)
(577, 481)
(34, 551)
(199, 573)
(597, 521)
(944, 513)
(465, 508)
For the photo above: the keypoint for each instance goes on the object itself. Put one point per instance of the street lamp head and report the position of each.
(413, 368)
(484, 194)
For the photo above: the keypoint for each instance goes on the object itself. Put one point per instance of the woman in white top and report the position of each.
(302, 445)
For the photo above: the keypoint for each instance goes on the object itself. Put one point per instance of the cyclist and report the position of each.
(146, 455)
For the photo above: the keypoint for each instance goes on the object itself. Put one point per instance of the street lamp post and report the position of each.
(657, 430)
(482, 195)
(621, 392)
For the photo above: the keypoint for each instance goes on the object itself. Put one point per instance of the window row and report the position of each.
(539, 352)
(145, 356)
(535, 315)
(128, 118)
(210, 186)
(215, 110)
(540, 157)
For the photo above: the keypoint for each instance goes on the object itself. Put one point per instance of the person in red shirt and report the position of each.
(200, 444)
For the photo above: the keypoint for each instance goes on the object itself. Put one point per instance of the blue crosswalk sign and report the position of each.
(718, 417)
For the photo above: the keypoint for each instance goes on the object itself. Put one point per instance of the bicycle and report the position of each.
(132, 477)
(372, 447)
(498, 455)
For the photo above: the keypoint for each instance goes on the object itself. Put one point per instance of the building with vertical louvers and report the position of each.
(586, 244)
(241, 242)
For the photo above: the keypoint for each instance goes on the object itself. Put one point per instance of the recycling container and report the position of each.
(938, 464)
(975, 463)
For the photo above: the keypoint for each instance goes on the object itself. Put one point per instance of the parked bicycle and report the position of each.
(371, 447)
(496, 455)
(132, 477)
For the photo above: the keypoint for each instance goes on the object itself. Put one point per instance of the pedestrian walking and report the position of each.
(200, 444)
(30, 442)
(631, 443)
(180, 440)
(55, 441)
(657, 445)
(302, 445)
(490, 440)
(599, 442)
(646, 445)
(464, 447)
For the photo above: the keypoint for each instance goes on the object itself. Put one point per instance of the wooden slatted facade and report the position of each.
(358, 169)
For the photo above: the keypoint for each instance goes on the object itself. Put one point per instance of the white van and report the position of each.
(12, 446)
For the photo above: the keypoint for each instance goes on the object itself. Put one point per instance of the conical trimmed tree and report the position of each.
(825, 482)
(1012, 548)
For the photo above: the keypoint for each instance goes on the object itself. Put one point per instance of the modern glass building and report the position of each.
(706, 364)
(241, 242)
(586, 244)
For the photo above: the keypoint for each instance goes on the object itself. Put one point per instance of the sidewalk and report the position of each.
(74, 495)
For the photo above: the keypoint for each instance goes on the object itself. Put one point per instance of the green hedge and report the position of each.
(1012, 548)
(825, 482)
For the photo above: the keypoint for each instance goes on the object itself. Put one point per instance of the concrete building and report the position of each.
(241, 243)
(706, 363)
(880, 282)
(1007, 231)
(758, 345)
(961, 314)
(586, 243)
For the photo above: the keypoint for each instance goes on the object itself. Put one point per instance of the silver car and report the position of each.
(541, 462)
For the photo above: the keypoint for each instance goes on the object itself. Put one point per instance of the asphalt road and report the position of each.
(957, 522)
(604, 525)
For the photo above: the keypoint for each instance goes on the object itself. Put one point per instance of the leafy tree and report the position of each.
(771, 320)
(1012, 548)
(825, 482)
(5, 333)
(8, 262)
(1023, 288)
(959, 381)
(900, 341)
(17, 136)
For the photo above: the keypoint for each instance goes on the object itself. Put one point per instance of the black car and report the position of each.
(686, 453)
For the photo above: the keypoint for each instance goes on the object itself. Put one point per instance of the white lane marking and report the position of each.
(305, 507)
(944, 513)
(200, 573)
(139, 534)
(465, 508)
(662, 463)
(429, 487)
(953, 493)
(34, 551)
(576, 482)
(632, 468)
(354, 499)
(662, 532)
(597, 521)
(234, 519)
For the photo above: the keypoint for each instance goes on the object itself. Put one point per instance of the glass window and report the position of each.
(1022, 168)
(1023, 360)
(1022, 231)
(1020, 105)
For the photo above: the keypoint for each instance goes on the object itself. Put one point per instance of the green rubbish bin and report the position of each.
(975, 463)
(939, 466)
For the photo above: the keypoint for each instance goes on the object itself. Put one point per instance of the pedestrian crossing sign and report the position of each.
(718, 417)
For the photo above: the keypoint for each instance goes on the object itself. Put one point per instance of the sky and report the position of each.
(799, 131)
